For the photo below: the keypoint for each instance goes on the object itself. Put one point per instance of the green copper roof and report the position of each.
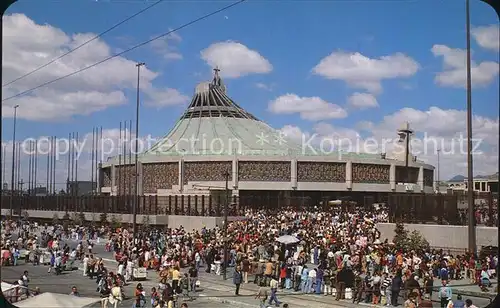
(214, 124)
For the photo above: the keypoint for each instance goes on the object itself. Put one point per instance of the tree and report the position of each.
(417, 242)
(115, 222)
(145, 222)
(55, 219)
(26, 215)
(66, 219)
(408, 241)
(103, 218)
(400, 236)
(81, 218)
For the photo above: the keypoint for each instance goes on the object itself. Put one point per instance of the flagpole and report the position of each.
(470, 173)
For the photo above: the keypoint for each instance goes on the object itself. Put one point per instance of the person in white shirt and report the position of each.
(197, 260)
(85, 265)
(129, 270)
(274, 288)
(310, 280)
(120, 270)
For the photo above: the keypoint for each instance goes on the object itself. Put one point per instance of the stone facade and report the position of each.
(428, 177)
(207, 171)
(372, 174)
(320, 172)
(159, 176)
(125, 179)
(270, 171)
(106, 177)
(401, 176)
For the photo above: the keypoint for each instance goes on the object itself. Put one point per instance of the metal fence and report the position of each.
(423, 208)
(405, 207)
(147, 205)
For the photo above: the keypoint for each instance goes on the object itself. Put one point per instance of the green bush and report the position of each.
(103, 218)
(408, 241)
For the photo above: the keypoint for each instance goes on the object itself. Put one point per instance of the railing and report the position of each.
(405, 207)
(423, 208)
(148, 205)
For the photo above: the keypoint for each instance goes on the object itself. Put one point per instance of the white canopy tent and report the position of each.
(12, 292)
(287, 239)
(55, 300)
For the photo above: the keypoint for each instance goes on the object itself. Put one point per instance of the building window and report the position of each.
(477, 185)
(483, 186)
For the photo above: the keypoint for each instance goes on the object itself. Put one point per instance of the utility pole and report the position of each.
(136, 199)
(226, 205)
(4, 167)
(12, 185)
(21, 185)
(470, 173)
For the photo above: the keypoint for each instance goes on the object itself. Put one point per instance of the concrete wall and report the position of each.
(442, 236)
(172, 221)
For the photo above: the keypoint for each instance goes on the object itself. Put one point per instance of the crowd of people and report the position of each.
(334, 253)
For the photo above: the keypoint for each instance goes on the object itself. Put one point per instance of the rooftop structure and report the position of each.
(215, 137)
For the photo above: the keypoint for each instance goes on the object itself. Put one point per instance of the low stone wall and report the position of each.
(443, 236)
(172, 221)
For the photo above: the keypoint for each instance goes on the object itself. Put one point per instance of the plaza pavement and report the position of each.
(216, 283)
(215, 292)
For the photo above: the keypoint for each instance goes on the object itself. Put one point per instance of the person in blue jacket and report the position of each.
(237, 279)
(444, 293)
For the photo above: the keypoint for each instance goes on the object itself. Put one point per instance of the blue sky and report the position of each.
(294, 36)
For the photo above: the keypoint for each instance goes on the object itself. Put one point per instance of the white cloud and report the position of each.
(310, 108)
(235, 59)
(167, 97)
(362, 72)
(362, 101)
(167, 46)
(455, 68)
(487, 37)
(264, 86)
(28, 45)
(294, 133)
(443, 129)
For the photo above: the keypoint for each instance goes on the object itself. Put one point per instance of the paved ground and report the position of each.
(87, 287)
(215, 292)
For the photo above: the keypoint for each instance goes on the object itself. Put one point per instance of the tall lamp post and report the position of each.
(136, 199)
(224, 234)
(470, 175)
(13, 162)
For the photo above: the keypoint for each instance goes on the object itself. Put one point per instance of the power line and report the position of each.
(126, 50)
(85, 43)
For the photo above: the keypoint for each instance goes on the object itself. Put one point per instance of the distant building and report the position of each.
(487, 184)
(38, 191)
(80, 188)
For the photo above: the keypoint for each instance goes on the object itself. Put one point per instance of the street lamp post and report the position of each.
(136, 199)
(224, 234)
(13, 162)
